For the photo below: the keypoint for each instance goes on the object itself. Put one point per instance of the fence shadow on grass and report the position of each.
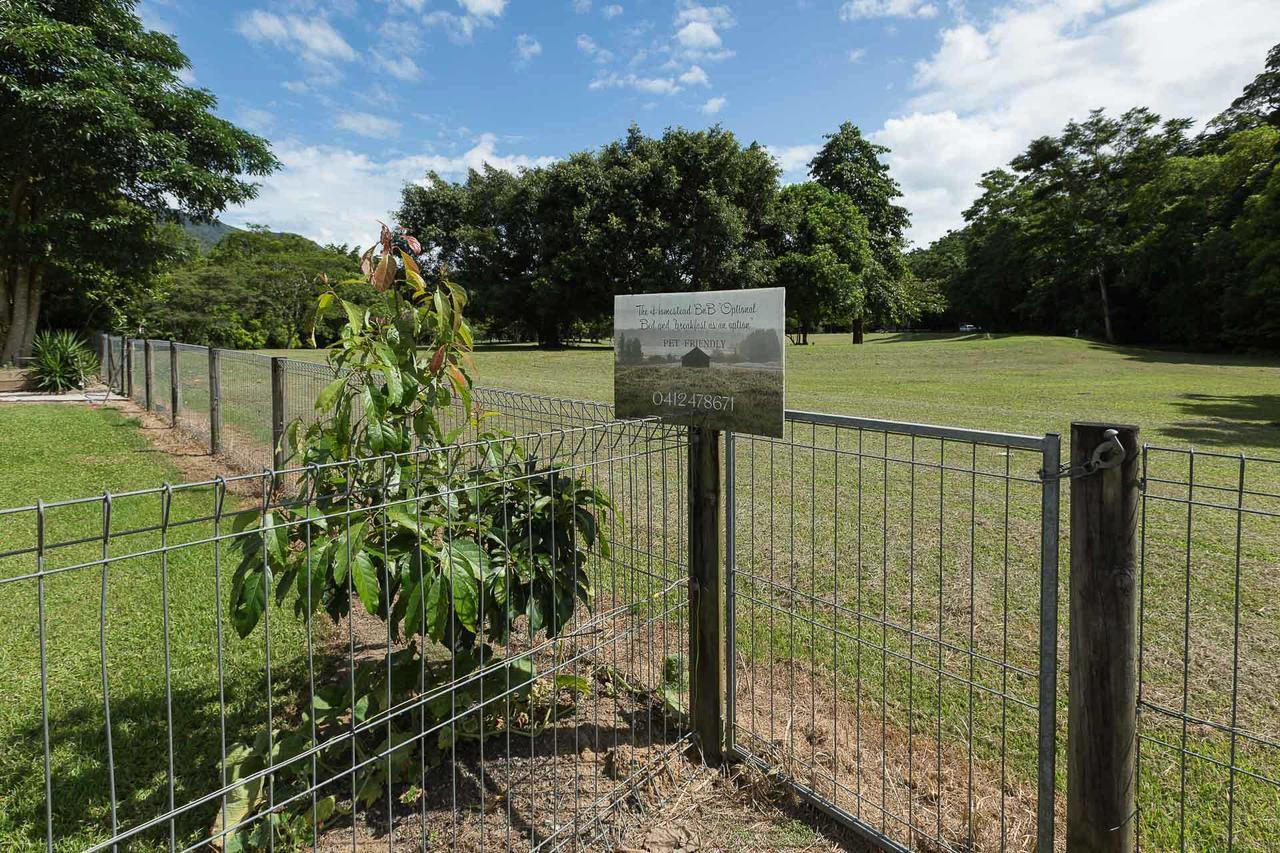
(82, 782)
(1228, 420)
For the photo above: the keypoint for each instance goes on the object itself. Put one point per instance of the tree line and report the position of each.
(1130, 229)
(542, 252)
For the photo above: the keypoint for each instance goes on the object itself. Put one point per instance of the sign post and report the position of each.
(713, 362)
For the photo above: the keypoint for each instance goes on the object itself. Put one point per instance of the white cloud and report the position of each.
(697, 31)
(647, 85)
(257, 120)
(588, 45)
(483, 8)
(988, 91)
(298, 87)
(335, 195)
(312, 39)
(401, 67)
(713, 106)
(854, 9)
(582, 7)
(527, 47)
(696, 35)
(793, 159)
(857, 54)
(368, 124)
(476, 13)
(613, 10)
(695, 76)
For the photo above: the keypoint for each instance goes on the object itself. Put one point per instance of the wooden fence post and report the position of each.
(175, 399)
(215, 402)
(1103, 688)
(148, 373)
(706, 625)
(277, 411)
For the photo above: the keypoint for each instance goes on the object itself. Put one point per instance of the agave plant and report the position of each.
(61, 361)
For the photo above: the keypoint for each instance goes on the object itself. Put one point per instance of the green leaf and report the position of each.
(355, 317)
(466, 600)
(364, 575)
(345, 549)
(573, 683)
(437, 607)
(413, 609)
(468, 556)
(329, 396)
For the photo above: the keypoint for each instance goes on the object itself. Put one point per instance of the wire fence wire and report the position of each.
(893, 625)
(128, 715)
(894, 618)
(1209, 645)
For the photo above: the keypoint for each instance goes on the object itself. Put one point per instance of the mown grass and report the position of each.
(56, 452)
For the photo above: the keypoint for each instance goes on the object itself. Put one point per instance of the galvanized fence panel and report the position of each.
(137, 370)
(125, 711)
(893, 623)
(246, 408)
(1209, 651)
(162, 387)
(193, 391)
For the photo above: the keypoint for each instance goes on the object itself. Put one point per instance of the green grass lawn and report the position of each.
(67, 451)
(1012, 383)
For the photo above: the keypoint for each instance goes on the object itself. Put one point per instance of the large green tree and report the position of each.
(253, 289)
(99, 138)
(851, 164)
(823, 254)
(543, 251)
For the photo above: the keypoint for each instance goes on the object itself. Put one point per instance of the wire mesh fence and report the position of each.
(894, 614)
(893, 626)
(1209, 648)
(163, 721)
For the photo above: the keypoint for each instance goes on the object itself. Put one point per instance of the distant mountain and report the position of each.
(208, 233)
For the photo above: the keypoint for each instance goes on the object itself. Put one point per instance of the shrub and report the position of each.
(62, 362)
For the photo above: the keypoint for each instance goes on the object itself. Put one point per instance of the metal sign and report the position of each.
(712, 359)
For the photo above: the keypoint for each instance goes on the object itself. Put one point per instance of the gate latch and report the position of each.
(1109, 454)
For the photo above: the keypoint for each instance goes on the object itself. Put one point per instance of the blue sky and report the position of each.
(359, 96)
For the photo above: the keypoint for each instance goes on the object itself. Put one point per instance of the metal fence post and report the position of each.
(1103, 688)
(109, 365)
(148, 373)
(277, 410)
(175, 399)
(706, 628)
(126, 354)
(730, 604)
(215, 402)
(1050, 496)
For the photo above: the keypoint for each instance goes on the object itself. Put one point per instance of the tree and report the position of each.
(253, 289)
(1258, 104)
(1081, 184)
(849, 163)
(822, 255)
(98, 139)
(543, 251)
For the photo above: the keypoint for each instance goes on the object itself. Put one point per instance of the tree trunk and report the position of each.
(1106, 307)
(19, 293)
(859, 329)
(21, 284)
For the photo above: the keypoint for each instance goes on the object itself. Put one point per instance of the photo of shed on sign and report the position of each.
(712, 359)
